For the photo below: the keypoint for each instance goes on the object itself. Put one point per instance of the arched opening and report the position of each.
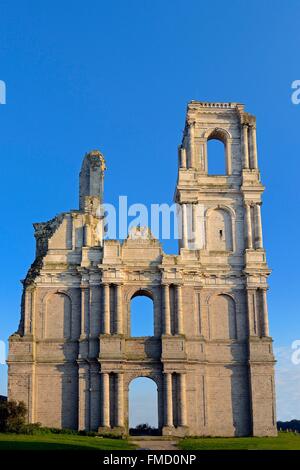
(141, 315)
(219, 231)
(143, 406)
(222, 313)
(216, 157)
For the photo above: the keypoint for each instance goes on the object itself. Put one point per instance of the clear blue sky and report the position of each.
(117, 76)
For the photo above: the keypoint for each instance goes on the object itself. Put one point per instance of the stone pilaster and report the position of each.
(83, 396)
(258, 227)
(95, 396)
(166, 309)
(228, 156)
(253, 147)
(182, 400)
(245, 146)
(251, 307)
(194, 227)
(29, 310)
(184, 231)
(32, 393)
(87, 235)
(265, 320)
(192, 144)
(249, 226)
(179, 309)
(85, 310)
(120, 400)
(119, 310)
(182, 157)
(105, 401)
(168, 399)
(106, 309)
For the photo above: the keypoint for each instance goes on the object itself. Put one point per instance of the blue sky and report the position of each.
(117, 76)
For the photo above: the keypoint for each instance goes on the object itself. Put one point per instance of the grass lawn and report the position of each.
(60, 442)
(284, 441)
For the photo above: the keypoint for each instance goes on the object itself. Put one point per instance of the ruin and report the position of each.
(73, 356)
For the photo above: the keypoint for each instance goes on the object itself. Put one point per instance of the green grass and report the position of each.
(60, 442)
(284, 441)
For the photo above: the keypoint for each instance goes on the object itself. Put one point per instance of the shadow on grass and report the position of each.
(34, 443)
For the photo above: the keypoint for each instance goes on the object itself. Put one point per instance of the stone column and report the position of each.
(245, 146)
(198, 211)
(189, 223)
(179, 309)
(182, 157)
(253, 147)
(31, 393)
(87, 235)
(192, 144)
(168, 400)
(201, 155)
(119, 309)
(182, 400)
(194, 231)
(166, 309)
(95, 394)
(251, 312)
(249, 226)
(184, 233)
(265, 321)
(120, 400)
(105, 400)
(228, 156)
(29, 308)
(85, 303)
(106, 309)
(83, 397)
(258, 227)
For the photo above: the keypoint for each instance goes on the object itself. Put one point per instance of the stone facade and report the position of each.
(73, 357)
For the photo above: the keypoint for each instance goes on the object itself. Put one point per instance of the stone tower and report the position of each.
(222, 234)
(73, 357)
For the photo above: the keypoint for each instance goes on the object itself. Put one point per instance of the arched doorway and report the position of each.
(143, 407)
(141, 314)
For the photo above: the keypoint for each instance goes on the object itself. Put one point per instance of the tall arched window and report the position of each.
(216, 157)
(141, 315)
(218, 151)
